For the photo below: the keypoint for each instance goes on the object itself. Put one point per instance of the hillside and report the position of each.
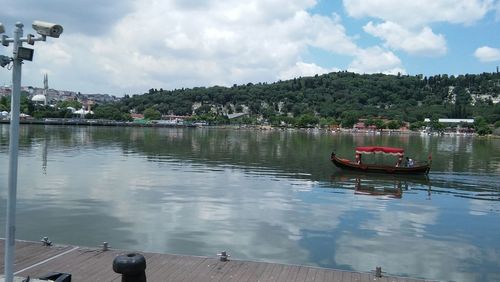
(336, 96)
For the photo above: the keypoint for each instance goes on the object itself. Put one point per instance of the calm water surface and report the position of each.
(261, 195)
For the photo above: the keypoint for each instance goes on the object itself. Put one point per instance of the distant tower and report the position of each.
(45, 83)
(45, 86)
(42, 98)
(498, 81)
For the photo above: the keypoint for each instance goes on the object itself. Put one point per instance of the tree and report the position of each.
(417, 125)
(203, 109)
(369, 122)
(435, 125)
(327, 122)
(393, 124)
(109, 112)
(306, 120)
(481, 126)
(408, 98)
(152, 114)
(4, 104)
(69, 103)
(349, 119)
(379, 124)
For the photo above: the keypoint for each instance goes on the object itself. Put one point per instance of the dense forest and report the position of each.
(336, 98)
(340, 96)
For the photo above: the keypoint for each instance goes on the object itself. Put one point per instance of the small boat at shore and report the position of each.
(399, 168)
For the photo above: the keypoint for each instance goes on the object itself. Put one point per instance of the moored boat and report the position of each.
(399, 168)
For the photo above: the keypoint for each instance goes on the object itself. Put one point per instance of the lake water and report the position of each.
(269, 196)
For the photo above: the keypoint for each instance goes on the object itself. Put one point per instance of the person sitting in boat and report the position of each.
(400, 161)
(358, 158)
(409, 162)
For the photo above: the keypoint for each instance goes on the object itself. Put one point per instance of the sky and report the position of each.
(130, 46)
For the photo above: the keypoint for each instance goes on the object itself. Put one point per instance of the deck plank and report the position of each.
(293, 273)
(31, 260)
(265, 273)
(287, 273)
(233, 272)
(301, 274)
(164, 264)
(253, 271)
(203, 270)
(91, 264)
(172, 267)
(356, 277)
(184, 269)
(238, 274)
(275, 274)
(311, 274)
(30, 254)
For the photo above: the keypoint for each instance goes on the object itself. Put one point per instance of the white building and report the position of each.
(452, 120)
(39, 99)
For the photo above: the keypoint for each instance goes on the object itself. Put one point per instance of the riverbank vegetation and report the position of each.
(340, 98)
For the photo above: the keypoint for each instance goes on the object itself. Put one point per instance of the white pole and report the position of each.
(10, 230)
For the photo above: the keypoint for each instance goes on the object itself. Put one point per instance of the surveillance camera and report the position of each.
(4, 60)
(2, 28)
(47, 29)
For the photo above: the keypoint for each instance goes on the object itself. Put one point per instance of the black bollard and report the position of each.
(131, 266)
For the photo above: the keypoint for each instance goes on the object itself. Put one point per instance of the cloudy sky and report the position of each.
(129, 46)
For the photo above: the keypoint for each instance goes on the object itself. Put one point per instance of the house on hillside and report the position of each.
(236, 115)
(137, 116)
(360, 126)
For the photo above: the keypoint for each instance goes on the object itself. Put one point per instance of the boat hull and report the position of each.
(374, 168)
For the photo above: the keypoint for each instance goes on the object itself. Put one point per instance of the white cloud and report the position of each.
(487, 54)
(419, 13)
(131, 46)
(422, 42)
(302, 69)
(406, 24)
(329, 34)
(376, 60)
(173, 44)
(225, 44)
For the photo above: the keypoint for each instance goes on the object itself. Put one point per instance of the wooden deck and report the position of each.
(91, 264)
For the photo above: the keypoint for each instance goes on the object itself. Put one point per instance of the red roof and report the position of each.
(376, 149)
(137, 116)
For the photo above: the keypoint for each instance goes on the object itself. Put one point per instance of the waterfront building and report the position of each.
(39, 99)
(455, 125)
(452, 120)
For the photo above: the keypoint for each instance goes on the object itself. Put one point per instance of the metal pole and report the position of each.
(10, 230)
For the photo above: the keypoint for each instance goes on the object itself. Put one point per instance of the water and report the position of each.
(261, 195)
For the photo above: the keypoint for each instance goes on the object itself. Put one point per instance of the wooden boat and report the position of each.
(399, 168)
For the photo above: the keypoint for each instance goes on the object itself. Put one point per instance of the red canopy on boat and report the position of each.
(384, 150)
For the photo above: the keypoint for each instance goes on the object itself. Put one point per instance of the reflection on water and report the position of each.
(389, 186)
(396, 191)
(261, 195)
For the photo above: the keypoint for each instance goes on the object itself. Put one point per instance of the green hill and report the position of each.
(335, 96)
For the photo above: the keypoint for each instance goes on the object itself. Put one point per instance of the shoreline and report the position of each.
(95, 122)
